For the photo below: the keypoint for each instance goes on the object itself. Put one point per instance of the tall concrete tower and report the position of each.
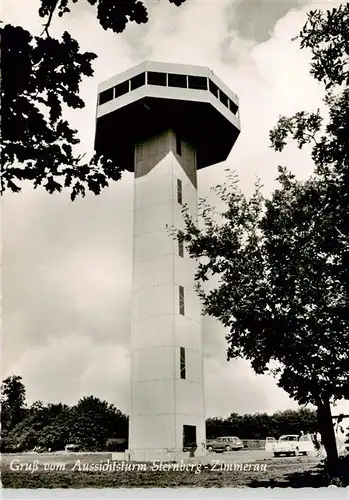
(164, 122)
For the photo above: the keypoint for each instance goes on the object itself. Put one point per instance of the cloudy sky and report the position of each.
(67, 266)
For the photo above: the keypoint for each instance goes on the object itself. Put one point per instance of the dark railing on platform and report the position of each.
(167, 80)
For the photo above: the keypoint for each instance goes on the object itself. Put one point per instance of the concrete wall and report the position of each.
(162, 402)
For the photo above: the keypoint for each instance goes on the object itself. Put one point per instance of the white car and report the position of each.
(71, 447)
(293, 444)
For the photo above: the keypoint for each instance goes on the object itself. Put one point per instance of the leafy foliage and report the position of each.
(282, 264)
(93, 424)
(111, 14)
(324, 208)
(12, 401)
(282, 297)
(38, 145)
(89, 424)
(94, 421)
(326, 33)
(116, 444)
(262, 425)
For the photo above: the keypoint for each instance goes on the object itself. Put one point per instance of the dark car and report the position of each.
(224, 443)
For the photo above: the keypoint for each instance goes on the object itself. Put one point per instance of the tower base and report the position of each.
(163, 455)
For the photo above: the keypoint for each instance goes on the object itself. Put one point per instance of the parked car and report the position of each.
(40, 449)
(293, 444)
(72, 447)
(116, 444)
(224, 443)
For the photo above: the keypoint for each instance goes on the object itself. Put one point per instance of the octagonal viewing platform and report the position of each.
(152, 96)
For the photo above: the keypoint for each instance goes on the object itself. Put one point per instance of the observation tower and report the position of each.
(164, 122)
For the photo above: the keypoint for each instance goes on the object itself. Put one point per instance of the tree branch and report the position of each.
(48, 24)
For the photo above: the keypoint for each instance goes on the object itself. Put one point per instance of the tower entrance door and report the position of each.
(189, 435)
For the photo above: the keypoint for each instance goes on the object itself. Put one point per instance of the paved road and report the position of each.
(249, 456)
(239, 456)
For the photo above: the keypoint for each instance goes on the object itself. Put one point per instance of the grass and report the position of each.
(296, 472)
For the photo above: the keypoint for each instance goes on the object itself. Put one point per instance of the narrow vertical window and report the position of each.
(178, 144)
(223, 98)
(180, 247)
(233, 107)
(179, 191)
(182, 363)
(181, 300)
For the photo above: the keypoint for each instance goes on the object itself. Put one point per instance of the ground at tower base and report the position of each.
(243, 469)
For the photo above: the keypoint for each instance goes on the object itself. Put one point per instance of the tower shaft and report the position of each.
(167, 397)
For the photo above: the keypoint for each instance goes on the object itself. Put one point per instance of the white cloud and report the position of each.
(74, 366)
(227, 383)
(68, 265)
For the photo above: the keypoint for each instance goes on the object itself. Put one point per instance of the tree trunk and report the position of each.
(326, 429)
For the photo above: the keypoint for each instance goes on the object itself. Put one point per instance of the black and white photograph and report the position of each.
(175, 246)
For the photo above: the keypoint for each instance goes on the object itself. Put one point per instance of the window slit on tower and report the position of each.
(178, 144)
(179, 192)
(233, 107)
(180, 247)
(223, 98)
(181, 300)
(213, 88)
(182, 363)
